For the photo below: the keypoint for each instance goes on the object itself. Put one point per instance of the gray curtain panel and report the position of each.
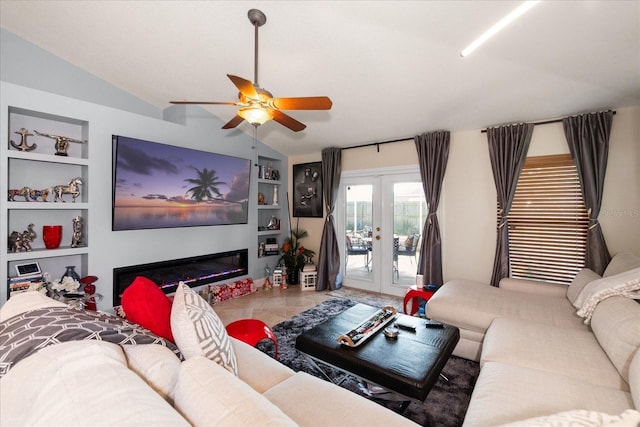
(508, 146)
(329, 255)
(433, 153)
(588, 139)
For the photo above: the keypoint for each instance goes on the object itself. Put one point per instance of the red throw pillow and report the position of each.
(145, 304)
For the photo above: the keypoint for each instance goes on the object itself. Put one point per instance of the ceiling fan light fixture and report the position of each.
(255, 115)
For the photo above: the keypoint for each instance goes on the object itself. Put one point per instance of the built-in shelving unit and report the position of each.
(271, 202)
(41, 169)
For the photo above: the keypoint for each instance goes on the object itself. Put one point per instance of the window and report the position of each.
(548, 221)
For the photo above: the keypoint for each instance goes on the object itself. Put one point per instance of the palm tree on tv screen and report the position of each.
(205, 185)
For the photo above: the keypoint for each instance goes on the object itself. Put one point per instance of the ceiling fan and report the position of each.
(258, 105)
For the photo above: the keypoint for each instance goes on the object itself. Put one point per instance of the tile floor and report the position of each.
(276, 305)
(272, 306)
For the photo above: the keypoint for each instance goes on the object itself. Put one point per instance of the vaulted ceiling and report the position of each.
(392, 68)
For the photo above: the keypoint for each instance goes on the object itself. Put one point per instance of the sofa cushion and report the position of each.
(473, 305)
(620, 263)
(616, 326)
(582, 417)
(299, 398)
(145, 304)
(582, 279)
(155, 364)
(257, 369)
(570, 352)
(208, 395)
(507, 393)
(80, 383)
(199, 331)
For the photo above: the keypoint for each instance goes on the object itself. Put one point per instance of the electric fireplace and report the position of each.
(193, 271)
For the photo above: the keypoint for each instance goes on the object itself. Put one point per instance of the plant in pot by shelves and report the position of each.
(294, 255)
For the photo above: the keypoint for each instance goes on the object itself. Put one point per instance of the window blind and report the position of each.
(548, 221)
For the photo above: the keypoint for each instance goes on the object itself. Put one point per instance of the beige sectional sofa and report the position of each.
(97, 383)
(541, 361)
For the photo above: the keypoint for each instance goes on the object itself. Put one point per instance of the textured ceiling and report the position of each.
(391, 68)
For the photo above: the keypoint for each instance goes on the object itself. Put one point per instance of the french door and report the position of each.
(380, 215)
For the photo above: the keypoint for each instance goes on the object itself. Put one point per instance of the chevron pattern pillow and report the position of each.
(198, 330)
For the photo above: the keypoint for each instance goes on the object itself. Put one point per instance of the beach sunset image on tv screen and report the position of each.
(163, 186)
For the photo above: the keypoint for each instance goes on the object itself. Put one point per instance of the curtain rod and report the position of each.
(543, 122)
(378, 144)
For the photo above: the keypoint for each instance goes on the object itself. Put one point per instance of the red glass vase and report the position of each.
(52, 236)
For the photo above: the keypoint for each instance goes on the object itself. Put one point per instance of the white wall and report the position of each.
(468, 204)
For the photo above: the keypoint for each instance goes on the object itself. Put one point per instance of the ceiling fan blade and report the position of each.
(306, 103)
(288, 121)
(205, 102)
(244, 86)
(233, 122)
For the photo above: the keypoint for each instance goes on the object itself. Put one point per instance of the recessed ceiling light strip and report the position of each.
(524, 7)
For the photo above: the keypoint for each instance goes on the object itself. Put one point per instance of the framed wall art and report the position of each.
(307, 190)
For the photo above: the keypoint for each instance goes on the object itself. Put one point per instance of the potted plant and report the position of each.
(294, 255)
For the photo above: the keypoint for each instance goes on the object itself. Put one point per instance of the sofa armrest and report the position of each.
(534, 287)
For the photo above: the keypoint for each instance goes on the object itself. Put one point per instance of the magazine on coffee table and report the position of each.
(368, 327)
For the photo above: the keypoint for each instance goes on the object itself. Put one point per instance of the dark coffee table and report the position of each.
(409, 365)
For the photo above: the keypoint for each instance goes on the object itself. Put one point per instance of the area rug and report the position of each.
(445, 405)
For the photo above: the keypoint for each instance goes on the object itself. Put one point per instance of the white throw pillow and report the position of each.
(582, 279)
(198, 330)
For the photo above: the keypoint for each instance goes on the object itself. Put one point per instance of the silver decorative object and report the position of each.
(275, 195)
(274, 224)
(62, 142)
(72, 188)
(23, 146)
(78, 233)
(19, 242)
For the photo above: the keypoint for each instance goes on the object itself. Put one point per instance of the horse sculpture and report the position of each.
(24, 192)
(72, 188)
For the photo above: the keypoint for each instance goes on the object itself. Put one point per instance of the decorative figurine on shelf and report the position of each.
(275, 195)
(275, 175)
(23, 146)
(261, 248)
(42, 194)
(78, 235)
(19, 242)
(261, 200)
(274, 223)
(23, 192)
(62, 142)
(72, 188)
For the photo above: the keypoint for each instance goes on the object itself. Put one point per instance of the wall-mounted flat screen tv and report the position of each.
(164, 186)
